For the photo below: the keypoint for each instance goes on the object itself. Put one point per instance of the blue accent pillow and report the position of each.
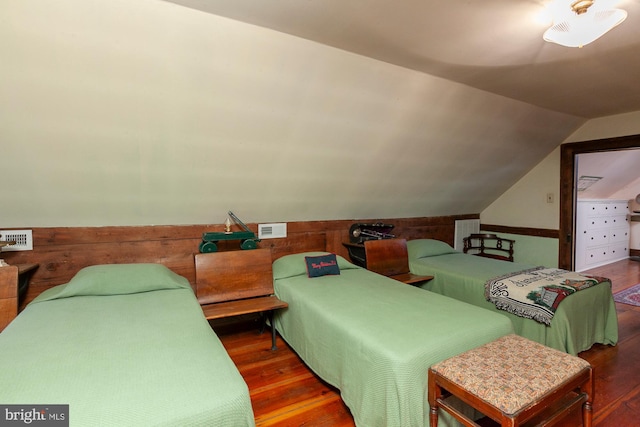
(322, 265)
(294, 264)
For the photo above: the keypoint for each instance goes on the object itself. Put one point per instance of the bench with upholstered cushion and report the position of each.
(513, 380)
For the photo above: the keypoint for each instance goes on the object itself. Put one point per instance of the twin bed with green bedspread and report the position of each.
(581, 320)
(128, 344)
(375, 338)
(122, 345)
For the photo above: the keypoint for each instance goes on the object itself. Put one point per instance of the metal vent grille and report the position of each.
(23, 239)
(272, 231)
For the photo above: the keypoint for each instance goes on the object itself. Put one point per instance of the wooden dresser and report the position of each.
(12, 278)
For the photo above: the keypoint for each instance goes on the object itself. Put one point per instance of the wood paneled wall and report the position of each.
(61, 252)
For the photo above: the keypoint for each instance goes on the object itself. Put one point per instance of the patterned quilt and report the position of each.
(537, 292)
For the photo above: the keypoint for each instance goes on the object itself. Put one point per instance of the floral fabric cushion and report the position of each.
(510, 372)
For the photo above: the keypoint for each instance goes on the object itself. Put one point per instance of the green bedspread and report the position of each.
(582, 319)
(122, 359)
(374, 338)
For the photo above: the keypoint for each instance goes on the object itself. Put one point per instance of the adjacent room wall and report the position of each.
(524, 204)
(607, 127)
(114, 112)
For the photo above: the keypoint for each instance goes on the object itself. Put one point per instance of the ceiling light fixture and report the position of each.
(584, 25)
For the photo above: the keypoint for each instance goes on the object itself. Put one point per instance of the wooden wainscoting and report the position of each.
(524, 231)
(62, 251)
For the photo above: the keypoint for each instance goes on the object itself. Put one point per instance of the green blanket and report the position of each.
(581, 320)
(146, 358)
(374, 338)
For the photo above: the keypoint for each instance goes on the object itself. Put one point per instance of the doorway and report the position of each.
(568, 154)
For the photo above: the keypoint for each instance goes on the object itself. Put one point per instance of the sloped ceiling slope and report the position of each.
(493, 45)
(146, 112)
(618, 173)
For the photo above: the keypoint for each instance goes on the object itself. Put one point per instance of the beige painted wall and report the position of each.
(119, 112)
(524, 204)
(607, 127)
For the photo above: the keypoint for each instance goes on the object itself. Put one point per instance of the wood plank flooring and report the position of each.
(284, 392)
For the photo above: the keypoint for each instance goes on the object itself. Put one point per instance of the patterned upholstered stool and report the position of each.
(513, 380)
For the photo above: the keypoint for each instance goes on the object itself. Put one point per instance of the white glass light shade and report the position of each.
(580, 30)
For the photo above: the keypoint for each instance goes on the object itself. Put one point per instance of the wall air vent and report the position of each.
(23, 239)
(585, 182)
(272, 231)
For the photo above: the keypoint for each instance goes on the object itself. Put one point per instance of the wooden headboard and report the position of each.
(61, 252)
(232, 275)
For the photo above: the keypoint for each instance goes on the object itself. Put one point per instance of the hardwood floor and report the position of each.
(284, 392)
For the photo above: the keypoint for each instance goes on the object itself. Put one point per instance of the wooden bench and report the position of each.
(489, 246)
(513, 381)
(389, 257)
(234, 283)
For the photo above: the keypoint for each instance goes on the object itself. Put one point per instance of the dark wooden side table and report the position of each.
(13, 283)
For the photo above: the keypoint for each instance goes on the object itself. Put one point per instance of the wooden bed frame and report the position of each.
(389, 257)
(234, 283)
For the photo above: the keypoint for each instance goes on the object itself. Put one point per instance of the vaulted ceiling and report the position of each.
(288, 110)
(493, 45)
